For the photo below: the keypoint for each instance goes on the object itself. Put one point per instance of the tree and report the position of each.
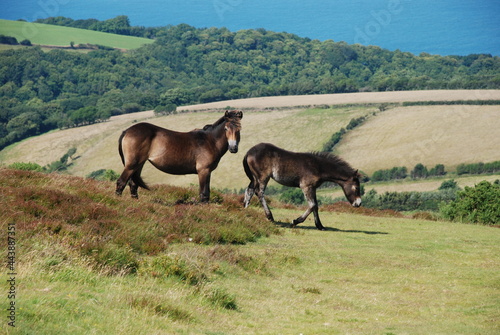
(419, 171)
(449, 184)
(438, 170)
(478, 204)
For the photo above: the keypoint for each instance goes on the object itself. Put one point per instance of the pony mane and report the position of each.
(334, 160)
(233, 117)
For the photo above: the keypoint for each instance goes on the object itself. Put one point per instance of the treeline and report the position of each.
(40, 91)
(337, 137)
(421, 171)
(13, 41)
(119, 25)
(478, 168)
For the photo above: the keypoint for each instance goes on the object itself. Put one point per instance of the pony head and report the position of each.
(232, 128)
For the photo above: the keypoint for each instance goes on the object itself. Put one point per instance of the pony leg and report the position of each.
(136, 181)
(204, 179)
(310, 194)
(249, 192)
(123, 180)
(260, 194)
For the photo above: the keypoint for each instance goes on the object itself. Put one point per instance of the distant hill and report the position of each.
(45, 34)
(42, 91)
(399, 136)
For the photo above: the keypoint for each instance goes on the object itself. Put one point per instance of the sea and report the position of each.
(442, 27)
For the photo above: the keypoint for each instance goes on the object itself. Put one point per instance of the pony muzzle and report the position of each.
(233, 146)
(357, 202)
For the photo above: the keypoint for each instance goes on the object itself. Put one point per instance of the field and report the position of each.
(51, 35)
(399, 136)
(429, 135)
(371, 272)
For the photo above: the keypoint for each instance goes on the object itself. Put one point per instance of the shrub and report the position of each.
(479, 204)
(26, 167)
(104, 175)
(293, 196)
(394, 173)
(449, 184)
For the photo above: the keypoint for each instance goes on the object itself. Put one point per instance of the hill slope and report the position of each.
(46, 34)
(406, 136)
(299, 129)
(87, 261)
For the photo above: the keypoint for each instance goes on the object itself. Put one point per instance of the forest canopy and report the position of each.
(40, 91)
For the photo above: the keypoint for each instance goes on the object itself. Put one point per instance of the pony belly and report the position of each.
(285, 179)
(174, 169)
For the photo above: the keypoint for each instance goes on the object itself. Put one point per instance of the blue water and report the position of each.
(444, 27)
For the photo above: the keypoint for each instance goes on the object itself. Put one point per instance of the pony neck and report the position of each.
(336, 171)
(218, 131)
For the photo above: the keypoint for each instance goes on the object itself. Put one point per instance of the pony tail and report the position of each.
(247, 168)
(120, 149)
(139, 182)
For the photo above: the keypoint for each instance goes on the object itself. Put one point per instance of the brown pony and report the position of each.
(196, 152)
(305, 170)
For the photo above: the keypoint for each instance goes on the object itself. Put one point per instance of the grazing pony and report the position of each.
(305, 170)
(195, 152)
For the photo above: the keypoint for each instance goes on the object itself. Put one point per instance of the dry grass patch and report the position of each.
(430, 135)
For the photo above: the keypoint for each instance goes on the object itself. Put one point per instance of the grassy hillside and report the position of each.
(430, 135)
(46, 34)
(89, 262)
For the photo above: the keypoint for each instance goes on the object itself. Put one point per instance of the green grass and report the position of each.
(369, 273)
(46, 34)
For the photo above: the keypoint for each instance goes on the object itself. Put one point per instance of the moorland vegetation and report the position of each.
(87, 261)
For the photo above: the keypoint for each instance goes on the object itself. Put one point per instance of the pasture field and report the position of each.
(370, 272)
(46, 34)
(430, 135)
(399, 136)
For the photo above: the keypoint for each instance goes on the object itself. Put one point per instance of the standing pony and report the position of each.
(196, 152)
(305, 170)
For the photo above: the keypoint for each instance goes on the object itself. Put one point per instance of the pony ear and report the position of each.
(232, 114)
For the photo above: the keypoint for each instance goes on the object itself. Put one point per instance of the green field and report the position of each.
(364, 275)
(45, 34)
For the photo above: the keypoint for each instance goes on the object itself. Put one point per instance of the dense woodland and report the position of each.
(40, 91)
